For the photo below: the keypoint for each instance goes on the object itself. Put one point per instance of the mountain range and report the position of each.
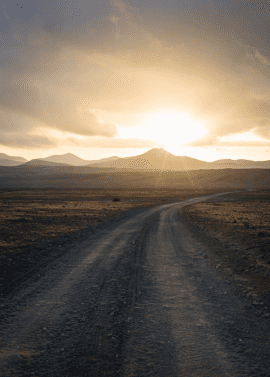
(72, 159)
(6, 160)
(154, 159)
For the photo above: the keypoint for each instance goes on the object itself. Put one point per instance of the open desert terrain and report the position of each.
(32, 221)
(135, 188)
(237, 229)
(28, 217)
(135, 282)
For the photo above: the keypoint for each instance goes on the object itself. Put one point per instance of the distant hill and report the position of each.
(37, 162)
(100, 161)
(72, 159)
(158, 158)
(154, 159)
(6, 160)
(68, 159)
(4, 156)
(239, 164)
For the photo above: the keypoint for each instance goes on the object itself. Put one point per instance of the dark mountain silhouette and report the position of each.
(72, 159)
(4, 156)
(67, 158)
(39, 162)
(105, 159)
(6, 160)
(158, 158)
(153, 169)
(154, 159)
(168, 161)
(239, 164)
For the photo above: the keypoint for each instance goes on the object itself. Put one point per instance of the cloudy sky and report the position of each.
(118, 77)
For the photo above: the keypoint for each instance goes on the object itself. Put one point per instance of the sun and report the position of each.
(166, 128)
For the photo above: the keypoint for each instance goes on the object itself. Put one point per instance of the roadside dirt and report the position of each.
(236, 229)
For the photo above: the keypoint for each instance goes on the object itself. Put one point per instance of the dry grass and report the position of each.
(238, 228)
(29, 216)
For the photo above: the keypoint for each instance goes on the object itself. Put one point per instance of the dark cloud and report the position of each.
(60, 59)
(37, 81)
(22, 140)
(20, 131)
(112, 142)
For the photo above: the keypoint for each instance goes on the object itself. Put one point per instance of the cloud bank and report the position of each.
(60, 59)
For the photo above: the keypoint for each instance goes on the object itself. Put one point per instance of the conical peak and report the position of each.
(158, 152)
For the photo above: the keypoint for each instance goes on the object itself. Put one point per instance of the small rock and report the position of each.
(261, 234)
(21, 220)
(266, 315)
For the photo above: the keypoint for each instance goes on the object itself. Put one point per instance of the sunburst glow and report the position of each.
(166, 128)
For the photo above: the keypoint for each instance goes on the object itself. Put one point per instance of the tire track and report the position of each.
(89, 308)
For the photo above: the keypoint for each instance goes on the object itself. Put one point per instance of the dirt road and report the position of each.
(135, 299)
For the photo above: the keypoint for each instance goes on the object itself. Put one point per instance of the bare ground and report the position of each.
(136, 296)
(30, 216)
(236, 229)
(36, 226)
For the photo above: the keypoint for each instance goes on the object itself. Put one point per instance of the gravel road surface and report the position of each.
(137, 298)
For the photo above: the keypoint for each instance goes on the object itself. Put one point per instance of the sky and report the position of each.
(119, 77)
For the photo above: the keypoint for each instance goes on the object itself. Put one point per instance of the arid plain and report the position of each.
(30, 216)
(237, 225)
(148, 282)
(236, 229)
